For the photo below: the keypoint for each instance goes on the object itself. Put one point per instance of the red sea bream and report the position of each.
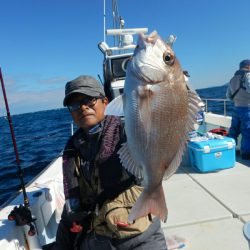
(159, 112)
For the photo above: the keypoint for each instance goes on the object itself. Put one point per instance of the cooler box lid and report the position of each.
(212, 144)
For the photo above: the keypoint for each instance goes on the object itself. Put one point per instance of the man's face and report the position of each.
(87, 111)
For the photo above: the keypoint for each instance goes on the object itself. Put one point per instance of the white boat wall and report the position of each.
(46, 199)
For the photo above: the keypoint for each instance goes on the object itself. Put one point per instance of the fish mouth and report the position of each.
(153, 81)
(148, 74)
(148, 78)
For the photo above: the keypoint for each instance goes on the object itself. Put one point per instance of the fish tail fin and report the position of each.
(150, 202)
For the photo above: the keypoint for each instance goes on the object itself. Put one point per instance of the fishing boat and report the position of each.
(207, 211)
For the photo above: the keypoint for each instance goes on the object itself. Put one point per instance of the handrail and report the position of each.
(205, 100)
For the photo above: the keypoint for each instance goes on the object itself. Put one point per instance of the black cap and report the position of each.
(244, 63)
(86, 85)
(186, 73)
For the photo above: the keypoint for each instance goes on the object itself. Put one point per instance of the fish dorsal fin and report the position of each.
(115, 107)
(128, 162)
(193, 108)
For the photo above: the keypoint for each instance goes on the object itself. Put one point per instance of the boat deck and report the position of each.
(209, 210)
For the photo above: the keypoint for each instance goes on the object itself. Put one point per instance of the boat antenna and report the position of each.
(20, 172)
(104, 21)
(117, 21)
(100, 79)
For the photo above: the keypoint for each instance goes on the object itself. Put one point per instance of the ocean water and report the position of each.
(41, 136)
(219, 92)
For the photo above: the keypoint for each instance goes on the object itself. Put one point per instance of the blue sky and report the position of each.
(45, 43)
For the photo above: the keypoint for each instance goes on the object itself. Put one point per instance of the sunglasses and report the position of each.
(86, 101)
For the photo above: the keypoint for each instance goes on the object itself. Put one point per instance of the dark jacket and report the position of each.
(84, 154)
(94, 176)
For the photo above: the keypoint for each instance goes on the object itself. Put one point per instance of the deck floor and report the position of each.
(209, 210)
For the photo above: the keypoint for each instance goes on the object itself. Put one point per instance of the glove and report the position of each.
(75, 219)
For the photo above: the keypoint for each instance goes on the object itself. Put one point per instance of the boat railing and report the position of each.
(206, 101)
(225, 103)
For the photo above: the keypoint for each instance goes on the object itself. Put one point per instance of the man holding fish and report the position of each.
(104, 169)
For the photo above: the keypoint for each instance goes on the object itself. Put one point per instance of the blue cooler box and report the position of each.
(212, 154)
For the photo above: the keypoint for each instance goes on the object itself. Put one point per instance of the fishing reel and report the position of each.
(22, 216)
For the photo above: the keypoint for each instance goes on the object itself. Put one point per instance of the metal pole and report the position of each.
(225, 108)
(104, 20)
(72, 128)
(20, 172)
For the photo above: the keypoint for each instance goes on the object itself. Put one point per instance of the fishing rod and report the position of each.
(22, 214)
(20, 172)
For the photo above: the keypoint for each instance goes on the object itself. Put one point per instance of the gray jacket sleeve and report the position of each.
(233, 86)
(229, 92)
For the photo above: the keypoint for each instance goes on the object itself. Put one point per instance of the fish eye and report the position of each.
(168, 58)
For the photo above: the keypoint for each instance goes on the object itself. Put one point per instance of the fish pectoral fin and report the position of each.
(128, 162)
(145, 91)
(152, 202)
(115, 107)
(145, 94)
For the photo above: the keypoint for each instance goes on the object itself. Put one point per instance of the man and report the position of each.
(99, 192)
(239, 92)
